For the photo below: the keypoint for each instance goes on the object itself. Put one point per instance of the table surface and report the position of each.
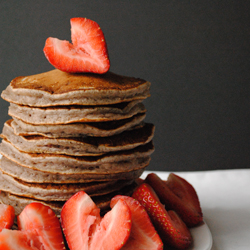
(225, 200)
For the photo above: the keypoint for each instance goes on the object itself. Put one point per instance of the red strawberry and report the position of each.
(7, 216)
(87, 53)
(40, 229)
(41, 221)
(178, 195)
(143, 235)
(19, 240)
(168, 224)
(85, 229)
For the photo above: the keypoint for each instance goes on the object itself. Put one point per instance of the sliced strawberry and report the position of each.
(178, 195)
(143, 234)
(170, 227)
(79, 217)
(114, 229)
(7, 216)
(41, 221)
(87, 53)
(85, 229)
(19, 240)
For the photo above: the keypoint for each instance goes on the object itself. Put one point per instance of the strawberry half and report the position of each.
(85, 229)
(168, 224)
(19, 240)
(87, 53)
(143, 234)
(40, 229)
(178, 195)
(41, 221)
(7, 216)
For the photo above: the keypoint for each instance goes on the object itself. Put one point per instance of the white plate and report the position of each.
(202, 238)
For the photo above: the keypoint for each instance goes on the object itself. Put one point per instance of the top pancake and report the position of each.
(55, 87)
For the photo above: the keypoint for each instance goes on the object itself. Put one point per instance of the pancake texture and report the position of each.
(70, 133)
(79, 146)
(72, 114)
(58, 192)
(60, 88)
(30, 175)
(102, 202)
(96, 129)
(112, 164)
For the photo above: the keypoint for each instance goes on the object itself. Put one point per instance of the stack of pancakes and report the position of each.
(72, 132)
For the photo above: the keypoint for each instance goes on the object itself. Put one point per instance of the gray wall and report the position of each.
(195, 54)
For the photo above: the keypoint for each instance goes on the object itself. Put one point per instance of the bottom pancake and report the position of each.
(102, 202)
(59, 192)
(19, 202)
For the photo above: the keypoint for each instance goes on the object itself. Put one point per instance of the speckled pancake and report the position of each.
(58, 192)
(132, 170)
(115, 164)
(102, 202)
(73, 114)
(80, 146)
(59, 88)
(97, 129)
(19, 202)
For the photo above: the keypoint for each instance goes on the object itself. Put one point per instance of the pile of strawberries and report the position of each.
(173, 207)
(158, 213)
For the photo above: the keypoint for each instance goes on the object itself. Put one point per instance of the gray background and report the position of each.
(195, 54)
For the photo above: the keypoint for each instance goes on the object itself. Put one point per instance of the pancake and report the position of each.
(19, 202)
(80, 146)
(72, 114)
(96, 129)
(31, 175)
(58, 192)
(113, 164)
(55, 87)
(102, 202)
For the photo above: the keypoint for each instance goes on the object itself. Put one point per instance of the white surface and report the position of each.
(225, 200)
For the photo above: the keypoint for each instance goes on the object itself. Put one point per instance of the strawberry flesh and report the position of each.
(19, 240)
(87, 53)
(168, 224)
(40, 221)
(85, 229)
(143, 234)
(178, 195)
(79, 216)
(115, 224)
(7, 216)
(39, 230)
